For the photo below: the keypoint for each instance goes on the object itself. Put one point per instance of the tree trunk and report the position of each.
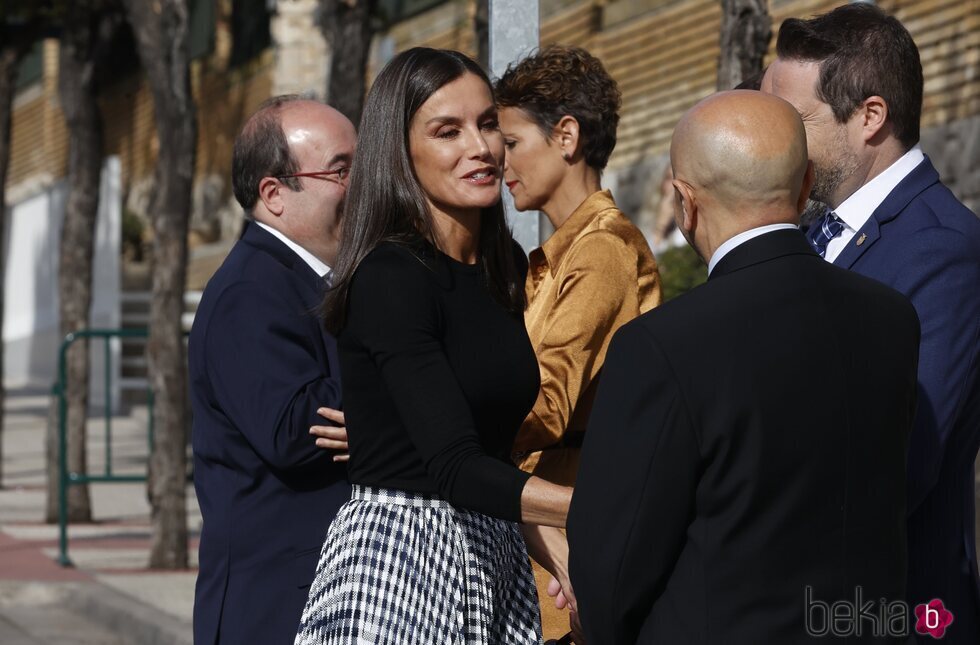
(481, 31)
(746, 28)
(77, 90)
(161, 29)
(10, 56)
(346, 26)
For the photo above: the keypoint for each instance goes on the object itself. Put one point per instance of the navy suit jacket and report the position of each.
(924, 243)
(260, 366)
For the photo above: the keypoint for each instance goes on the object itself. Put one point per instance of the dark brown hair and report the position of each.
(261, 150)
(862, 52)
(562, 81)
(385, 202)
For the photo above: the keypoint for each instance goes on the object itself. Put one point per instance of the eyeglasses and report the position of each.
(339, 175)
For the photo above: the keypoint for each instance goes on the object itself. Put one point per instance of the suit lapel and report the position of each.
(921, 177)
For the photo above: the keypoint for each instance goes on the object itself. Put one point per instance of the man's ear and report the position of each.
(687, 204)
(270, 195)
(874, 114)
(566, 133)
(805, 188)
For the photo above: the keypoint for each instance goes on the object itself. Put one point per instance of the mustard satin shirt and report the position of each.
(593, 275)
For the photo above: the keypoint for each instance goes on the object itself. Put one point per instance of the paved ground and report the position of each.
(108, 597)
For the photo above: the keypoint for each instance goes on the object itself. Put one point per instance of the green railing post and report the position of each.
(106, 358)
(63, 559)
(60, 389)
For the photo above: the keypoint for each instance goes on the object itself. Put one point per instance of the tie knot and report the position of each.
(831, 221)
(829, 227)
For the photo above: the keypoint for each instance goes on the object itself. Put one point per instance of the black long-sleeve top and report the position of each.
(437, 380)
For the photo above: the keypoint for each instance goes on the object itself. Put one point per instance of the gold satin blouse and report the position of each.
(593, 275)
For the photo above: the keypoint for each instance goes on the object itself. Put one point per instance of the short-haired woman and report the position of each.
(559, 109)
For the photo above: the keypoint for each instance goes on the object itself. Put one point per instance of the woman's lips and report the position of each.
(482, 177)
(511, 184)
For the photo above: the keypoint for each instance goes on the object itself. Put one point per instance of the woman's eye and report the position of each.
(448, 133)
(509, 144)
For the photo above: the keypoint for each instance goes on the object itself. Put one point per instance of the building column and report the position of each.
(302, 54)
(514, 34)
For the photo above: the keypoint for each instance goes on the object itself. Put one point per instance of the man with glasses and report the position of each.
(261, 369)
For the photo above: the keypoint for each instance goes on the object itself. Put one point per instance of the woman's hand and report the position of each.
(549, 548)
(557, 591)
(332, 437)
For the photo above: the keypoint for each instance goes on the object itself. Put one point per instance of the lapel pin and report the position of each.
(862, 239)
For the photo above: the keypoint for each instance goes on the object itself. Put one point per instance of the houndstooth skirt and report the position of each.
(400, 568)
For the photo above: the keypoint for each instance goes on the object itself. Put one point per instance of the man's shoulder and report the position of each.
(248, 264)
(249, 274)
(936, 207)
(682, 313)
(934, 230)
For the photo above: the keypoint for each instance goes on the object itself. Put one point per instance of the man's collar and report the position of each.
(737, 240)
(555, 247)
(762, 248)
(856, 209)
(314, 262)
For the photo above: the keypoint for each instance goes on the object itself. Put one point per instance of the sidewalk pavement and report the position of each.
(109, 597)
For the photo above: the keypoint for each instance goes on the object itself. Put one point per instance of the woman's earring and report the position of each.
(566, 156)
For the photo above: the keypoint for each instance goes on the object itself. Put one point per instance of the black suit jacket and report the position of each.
(260, 366)
(924, 243)
(748, 442)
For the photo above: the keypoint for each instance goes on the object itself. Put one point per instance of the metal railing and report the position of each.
(60, 389)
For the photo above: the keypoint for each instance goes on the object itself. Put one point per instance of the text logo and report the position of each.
(932, 618)
(844, 618)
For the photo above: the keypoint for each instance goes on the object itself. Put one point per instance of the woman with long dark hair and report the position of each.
(438, 374)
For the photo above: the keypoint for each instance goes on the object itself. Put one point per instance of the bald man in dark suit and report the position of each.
(728, 492)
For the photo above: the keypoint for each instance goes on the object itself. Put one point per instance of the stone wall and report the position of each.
(954, 149)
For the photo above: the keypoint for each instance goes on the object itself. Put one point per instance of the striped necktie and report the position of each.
(820, 235)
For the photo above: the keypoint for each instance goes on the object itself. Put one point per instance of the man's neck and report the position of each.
(880, 158)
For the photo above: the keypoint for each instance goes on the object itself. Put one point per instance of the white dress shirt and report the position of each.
(742, 238)
(318, 267)
(856, 209)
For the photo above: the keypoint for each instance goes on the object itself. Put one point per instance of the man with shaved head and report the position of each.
(717, 501)
(261, 367)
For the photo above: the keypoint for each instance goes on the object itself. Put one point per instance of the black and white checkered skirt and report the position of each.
(401, 568)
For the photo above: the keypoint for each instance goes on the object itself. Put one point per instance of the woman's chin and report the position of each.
(525, 206)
